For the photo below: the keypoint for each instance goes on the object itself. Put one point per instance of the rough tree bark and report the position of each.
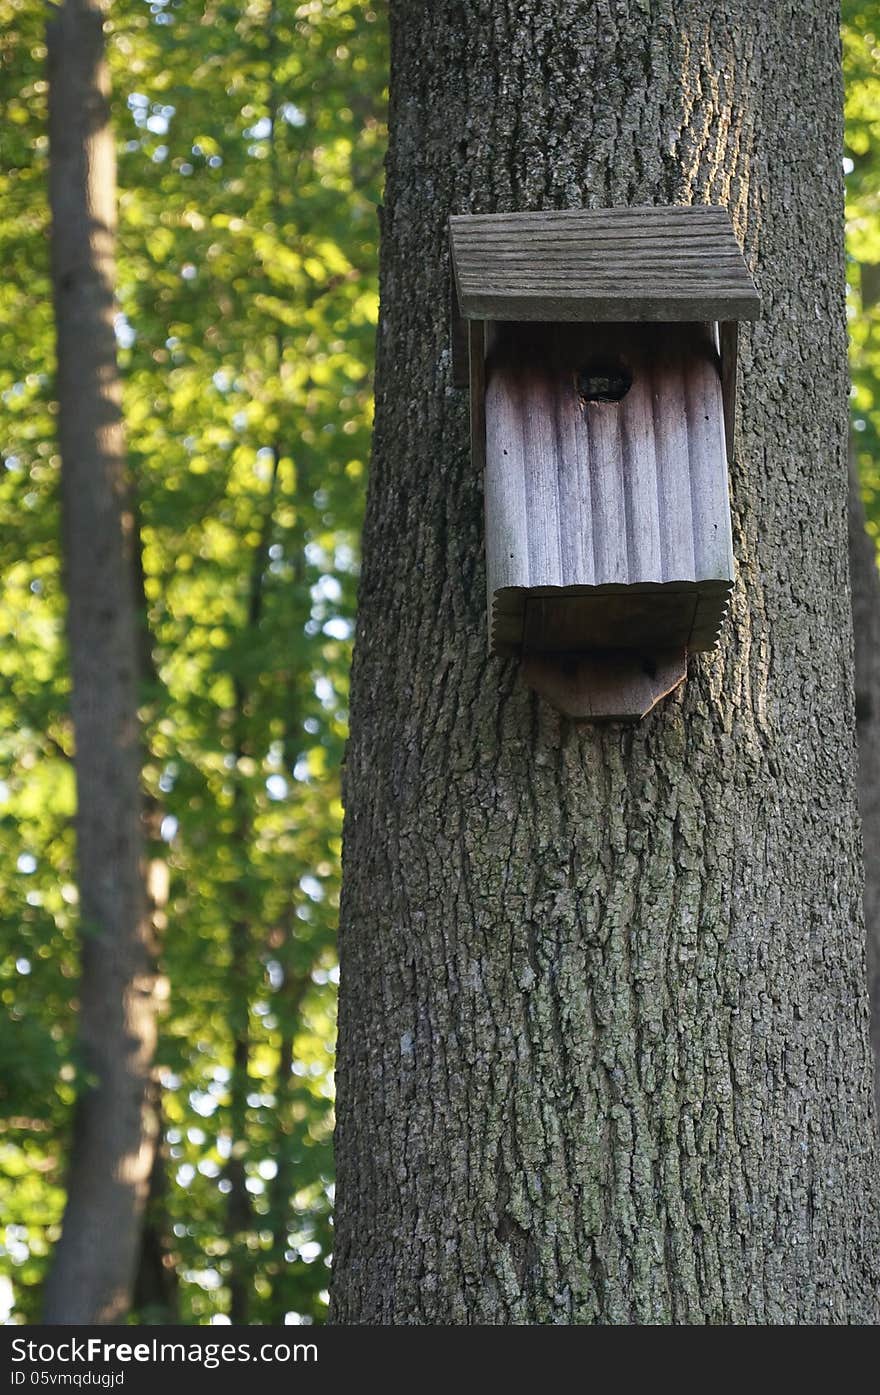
(603, 1048)
(114, 1130)
(866, 624)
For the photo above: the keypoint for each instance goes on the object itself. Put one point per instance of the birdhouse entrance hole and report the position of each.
(603, 382)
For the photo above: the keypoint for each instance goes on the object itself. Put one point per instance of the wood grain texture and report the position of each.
(729, 348)
(605, 686)
(607, 523)
(476, 359)
(602, 264)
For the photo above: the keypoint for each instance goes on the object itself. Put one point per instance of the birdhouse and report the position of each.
(600, 349)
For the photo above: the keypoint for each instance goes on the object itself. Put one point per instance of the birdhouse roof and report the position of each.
(619, 264)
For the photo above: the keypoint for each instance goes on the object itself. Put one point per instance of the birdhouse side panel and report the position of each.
(709, 481)
(506, 516)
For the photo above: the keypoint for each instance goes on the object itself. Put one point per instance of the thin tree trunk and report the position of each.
(287, 1005)
(155, 1295)
(239, 1221)
(156, 1286)
(866, 624)
(603, 1049)
(239, 1211)
(113, 1139)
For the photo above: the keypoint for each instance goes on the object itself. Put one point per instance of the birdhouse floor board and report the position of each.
(573, 623)
(606, 686)
(664, 616)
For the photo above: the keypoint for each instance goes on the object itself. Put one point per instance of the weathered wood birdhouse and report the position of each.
(600, 348)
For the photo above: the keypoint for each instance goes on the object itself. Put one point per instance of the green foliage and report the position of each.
(861, 52)
(37, 890)
(250, 141)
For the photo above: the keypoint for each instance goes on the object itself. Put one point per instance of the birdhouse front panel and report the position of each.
(606, 495)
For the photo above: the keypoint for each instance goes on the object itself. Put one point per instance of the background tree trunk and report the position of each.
(866, 623)
(113, 1140)
(603, 1047)
(156, 1288)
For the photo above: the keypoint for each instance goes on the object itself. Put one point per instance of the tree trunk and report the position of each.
(242, 949)
(603, 1049)
(155, 1297)
(866, 623)
(287, 1006)
(113, 1138)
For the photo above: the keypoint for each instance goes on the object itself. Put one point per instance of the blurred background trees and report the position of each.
(861, 55)
(250, 140)
(250, 145)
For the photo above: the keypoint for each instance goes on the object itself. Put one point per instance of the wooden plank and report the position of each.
(729, 340)
(569, 302)
(576, 506)
(710, 490)
(504, 494)
(614, 264)
(539, 430)
(636, 618)
(607, 522)
(628, 619)
(644, 539)
(608, 490)
(605, 687)
(671, 448)
(476, 377)
(712, 608)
